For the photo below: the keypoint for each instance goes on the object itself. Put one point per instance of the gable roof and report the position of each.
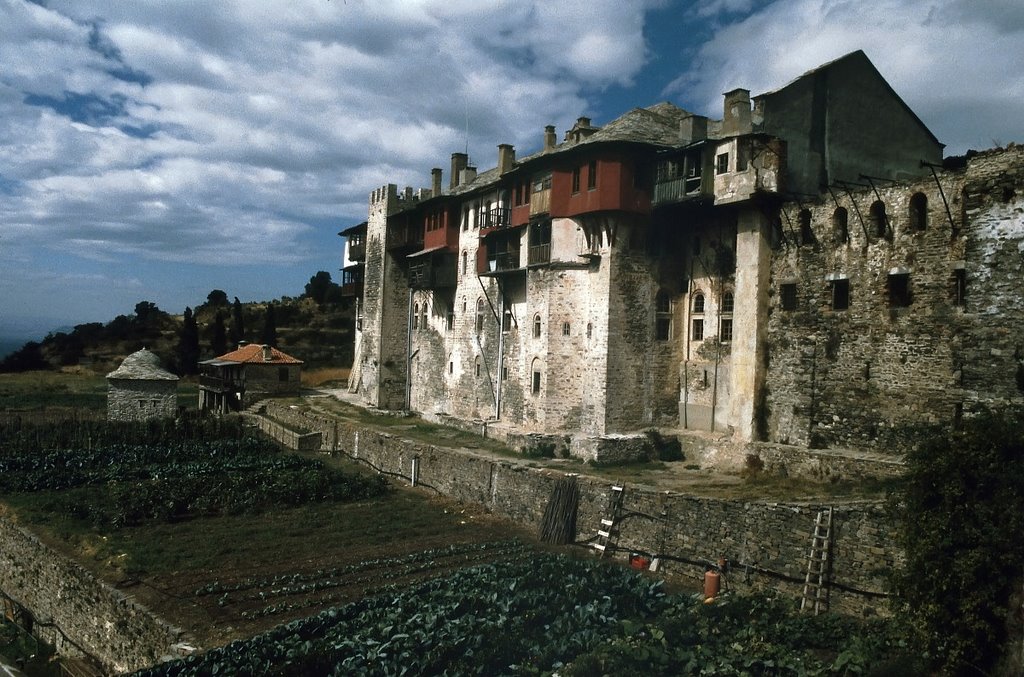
(142, 365)
(253, 354)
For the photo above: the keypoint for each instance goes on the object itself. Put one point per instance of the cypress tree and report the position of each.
(188, 345)
(269, 336)
(237, 330)
(219, 340)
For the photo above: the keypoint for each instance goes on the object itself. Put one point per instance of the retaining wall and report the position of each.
(766, 543)
(77, 613)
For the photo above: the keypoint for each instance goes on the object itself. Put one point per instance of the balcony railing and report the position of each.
(503, 261)
(498, 217)
(356, 251)
(539, 253)
(674, 190)
(405, 237)
(222, 385)
(428, 275)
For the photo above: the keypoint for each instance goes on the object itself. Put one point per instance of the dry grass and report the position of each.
(316, 378)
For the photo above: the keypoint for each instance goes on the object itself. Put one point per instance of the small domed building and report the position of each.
(141, 389)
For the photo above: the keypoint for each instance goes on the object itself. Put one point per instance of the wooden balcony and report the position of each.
(356, 250)
(498, 217)
(220, 385)
(539, 254)
(677, 189)
(430, 274)
(503, 262)
(405, 236)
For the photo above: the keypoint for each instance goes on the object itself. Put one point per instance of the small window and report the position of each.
(506, 320)
(698, 330)
(479, 315)
(423, 315)
(725, 332)
(504, 372)
(476, 367)
(840, 294)
(722, 163)
(788, 294)
(698, 303)
(535, 387)
(879, 221)
(566, 329)
(465, 259)
(806, 232)
(899, 290)
(590, 329)
(536, 326)
(451, 366)
(663, 316)
(918, 215)
(282, 374)
(960, 288)
(449, 319)
(576, 179)
(416, 316)
(592, 175)
(840, 226)
(728, 301)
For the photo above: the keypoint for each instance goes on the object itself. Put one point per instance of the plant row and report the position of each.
(546, 614)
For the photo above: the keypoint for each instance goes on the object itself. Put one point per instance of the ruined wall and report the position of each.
(867, 375)
(77, 613)
(767, 543)
(139, 400)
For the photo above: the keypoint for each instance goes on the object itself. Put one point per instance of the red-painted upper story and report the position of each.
(608, 182)
(440, 226)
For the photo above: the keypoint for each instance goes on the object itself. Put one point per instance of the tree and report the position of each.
(27, 358)
(188, 345)
(962, 510)
(320, 287)
(236, 333)
(217, 297)
(219, 340)
(269, 336)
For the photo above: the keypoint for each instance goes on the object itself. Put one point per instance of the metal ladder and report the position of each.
(815, 597)
(609, 529)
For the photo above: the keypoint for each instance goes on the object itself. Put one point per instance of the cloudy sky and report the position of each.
(159, 149)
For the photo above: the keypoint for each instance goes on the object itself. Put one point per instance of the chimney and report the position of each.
(242, 344)
(267, 355)
(549, 137)
(467, 175)
(407, 194)
(582, 121)
(693, 128)
(737, 113)
(459, 162)
(435, 181)
(506, 157)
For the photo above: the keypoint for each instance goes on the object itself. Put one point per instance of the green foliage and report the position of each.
(962, 511)
(217, 297)
(27, 358)
(26, 651)
(218, 339)
(112, 485)
(269, 335)
(322, 289)
(188, 345)
(236, 332)
(539, 614)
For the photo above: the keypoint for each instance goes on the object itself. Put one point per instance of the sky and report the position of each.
(159, 149)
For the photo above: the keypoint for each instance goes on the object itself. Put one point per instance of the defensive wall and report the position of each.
(766, 543)
(79, 615)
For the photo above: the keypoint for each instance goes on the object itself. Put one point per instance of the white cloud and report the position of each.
(958, 64)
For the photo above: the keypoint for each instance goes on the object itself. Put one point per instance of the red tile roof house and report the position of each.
(237, 379)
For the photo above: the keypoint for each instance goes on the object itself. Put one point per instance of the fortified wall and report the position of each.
(766, 543)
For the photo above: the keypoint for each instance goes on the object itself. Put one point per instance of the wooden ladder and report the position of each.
(609, 529)
(815, 597)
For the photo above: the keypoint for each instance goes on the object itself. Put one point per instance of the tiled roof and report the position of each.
(142, 365)
(253, 353)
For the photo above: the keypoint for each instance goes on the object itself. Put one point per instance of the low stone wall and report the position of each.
(289, 438)
(78, 614)
(767, 544)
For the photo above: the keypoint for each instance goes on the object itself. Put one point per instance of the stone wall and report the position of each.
(139, 400)
(77, 613)
(767, 543)
(869, 375)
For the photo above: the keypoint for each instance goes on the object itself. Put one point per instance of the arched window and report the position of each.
(566, 329)
(727, 302)
(416, 316)
(536, 369)
(536, 326)
(663, 316)
(465, 257)
(840, 225)
(879, 221)
(423, 315)
(479, 315)
(590, 329)
(698, 303)
(806, 233)
(918, 215)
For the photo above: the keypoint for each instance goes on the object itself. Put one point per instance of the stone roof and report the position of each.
(253, 353)
(142, 365)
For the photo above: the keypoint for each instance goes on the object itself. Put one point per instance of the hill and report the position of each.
(316, 327)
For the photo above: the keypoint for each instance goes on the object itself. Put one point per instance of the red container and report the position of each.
(712, 584)
(639, 562)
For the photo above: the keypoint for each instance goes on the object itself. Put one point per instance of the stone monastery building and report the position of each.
(804, 271)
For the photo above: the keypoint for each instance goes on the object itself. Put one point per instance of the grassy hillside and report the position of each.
(320, 334)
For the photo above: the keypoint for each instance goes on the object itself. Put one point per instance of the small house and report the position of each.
(236, 379)
(141, 389)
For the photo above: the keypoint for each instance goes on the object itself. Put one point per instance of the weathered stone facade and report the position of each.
(671, 271)
(140, 389)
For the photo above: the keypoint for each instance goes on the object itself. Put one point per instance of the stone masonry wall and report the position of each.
(767, 543)
(868, 375)
(141, 400)
(100, 621)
